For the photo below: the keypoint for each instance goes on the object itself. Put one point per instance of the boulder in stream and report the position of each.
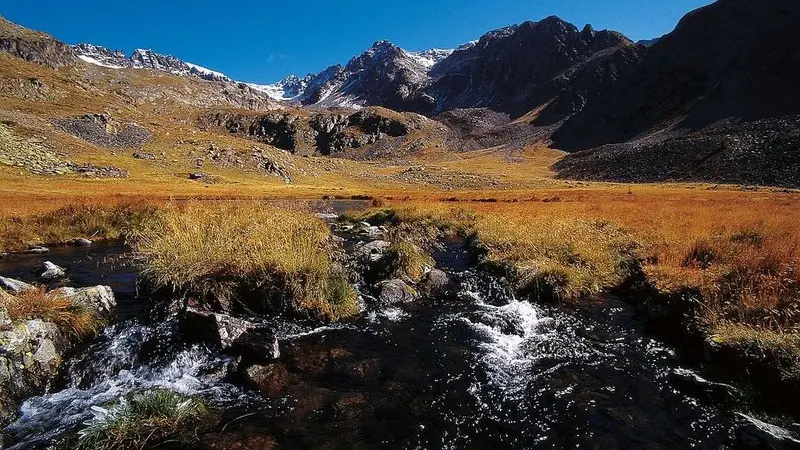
(237, 336)
(371, 251)
(13, 286)
(752, 433)
(99, 298)
(436, 283)
(51, 272)
(392, 292)
(29, 360)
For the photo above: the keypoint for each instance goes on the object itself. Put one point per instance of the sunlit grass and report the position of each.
(71, 319)
(217, 248)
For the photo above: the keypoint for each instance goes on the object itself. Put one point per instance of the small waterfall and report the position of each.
(129, 356)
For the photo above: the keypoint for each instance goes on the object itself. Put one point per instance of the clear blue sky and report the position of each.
(263, 41)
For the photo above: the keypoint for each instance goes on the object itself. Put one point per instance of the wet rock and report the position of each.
(231, 334)
(393, 292)
(752, 433)
(372, 251)
(436, 283)
(694, 384)
(372, 232)
(51, 272)
(270, 379)
(100, 298)
(13, 286)
(327, 216)
(30, 356)
(38, 249)
(81, 242)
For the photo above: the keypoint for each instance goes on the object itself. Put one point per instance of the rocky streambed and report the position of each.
(447, 360)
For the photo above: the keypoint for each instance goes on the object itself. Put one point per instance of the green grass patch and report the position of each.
(145, 420)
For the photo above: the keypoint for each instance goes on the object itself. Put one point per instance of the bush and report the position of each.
(144, 420)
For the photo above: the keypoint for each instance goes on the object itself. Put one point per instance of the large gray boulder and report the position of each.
(13, 286)
(100, 298)
(752, 433)
(51, 272)
(436, 283)
(236, 336)
(29, 360)
(372, 251)
(393, 292)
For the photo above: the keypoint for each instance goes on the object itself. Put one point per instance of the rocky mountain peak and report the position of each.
(144, 59)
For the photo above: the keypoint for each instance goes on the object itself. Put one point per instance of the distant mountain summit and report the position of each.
(384, 75)
(144, 59)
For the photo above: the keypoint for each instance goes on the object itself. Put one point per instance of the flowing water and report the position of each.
(478, 371)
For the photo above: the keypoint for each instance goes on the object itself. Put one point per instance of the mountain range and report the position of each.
(717, 99)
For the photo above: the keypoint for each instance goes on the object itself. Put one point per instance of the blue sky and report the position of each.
(263, 41)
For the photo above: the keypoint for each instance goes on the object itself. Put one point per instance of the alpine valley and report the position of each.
(549, 237)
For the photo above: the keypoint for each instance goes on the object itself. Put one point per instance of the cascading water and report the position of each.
(481, 370)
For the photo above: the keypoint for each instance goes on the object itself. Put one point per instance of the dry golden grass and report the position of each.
(73, 320)
(214, 248)
(66, 223)
(738, 251)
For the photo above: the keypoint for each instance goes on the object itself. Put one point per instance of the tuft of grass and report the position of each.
(144, 420)
(64, 224)
(71, 319)
(405, 259)
(216, 249)
(557, 258)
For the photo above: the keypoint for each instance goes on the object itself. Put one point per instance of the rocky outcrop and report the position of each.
(34, 46)
(324, 133)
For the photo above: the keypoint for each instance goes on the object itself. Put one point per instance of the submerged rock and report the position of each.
(51, 272)
(231, 334)
(396, 291)
(694, 384)
(100, 298)
(270, 379)
(14, 286)
(752, 433)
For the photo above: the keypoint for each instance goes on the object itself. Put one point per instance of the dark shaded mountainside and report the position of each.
(715, 100)
(683, 107)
